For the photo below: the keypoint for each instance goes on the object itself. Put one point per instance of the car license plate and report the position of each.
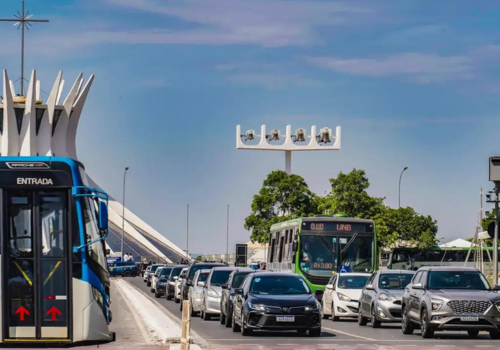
(469, 318)
(285, 318)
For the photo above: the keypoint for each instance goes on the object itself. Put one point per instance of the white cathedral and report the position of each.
(30, 127)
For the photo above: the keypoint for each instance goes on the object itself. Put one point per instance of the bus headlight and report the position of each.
(97, 295)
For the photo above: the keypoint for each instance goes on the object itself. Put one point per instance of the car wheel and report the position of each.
(316, 332)
(473, 333)
(180, 307)
(373, 320)
(193, 313)
(229, 318)
(222, 317)
(362, 321)
(334, 318)
(127, 273)
(148, 284)
(425, 328)
(206, 316)
(235, 327)
(157, 295)
(245, 331)
(406, 326)
(152, 290)
(177, 301)
(169, 297)
(495, 334)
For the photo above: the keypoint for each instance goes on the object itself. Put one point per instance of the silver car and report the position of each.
(381, 297)
(213, 290)
(451, 298)
(195, 292)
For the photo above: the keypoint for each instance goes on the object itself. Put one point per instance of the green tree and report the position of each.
(282, 197)
(349, 196)
(405, 224)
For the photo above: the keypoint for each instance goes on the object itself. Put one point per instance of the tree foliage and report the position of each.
(281, 198)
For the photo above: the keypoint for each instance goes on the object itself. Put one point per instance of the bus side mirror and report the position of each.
(295, 246)
(103, 216)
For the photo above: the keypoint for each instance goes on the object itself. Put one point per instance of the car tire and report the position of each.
(427, 331)
(495, 334)
(235, 327)
(373, 320)
(193, 313)
(148, 284)
(362, 320)
(222, 319)
(152, 290)
(316, 332)
(157, 295)
(127, 273)
(229, 319)
(181, 302)
(473, 333)
(244, 330)
(334, 318)
(206, 316)
(177, 301)
(406, 325)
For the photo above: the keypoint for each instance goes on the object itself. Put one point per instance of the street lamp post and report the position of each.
(322, 141)
(187, 233)
(400, 176)
(123, 213)
(227, 236)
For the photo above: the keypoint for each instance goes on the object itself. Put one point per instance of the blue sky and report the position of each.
(412, 83)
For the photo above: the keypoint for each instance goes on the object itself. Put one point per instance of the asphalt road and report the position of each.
(345, 334)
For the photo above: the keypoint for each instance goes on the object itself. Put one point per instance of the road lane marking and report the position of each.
(349, 334)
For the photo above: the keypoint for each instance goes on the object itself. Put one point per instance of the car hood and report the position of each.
(282, 300)
(396, 293)
(461, 294)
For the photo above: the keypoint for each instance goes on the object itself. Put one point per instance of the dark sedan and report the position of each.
(276, 301)
(234, 281)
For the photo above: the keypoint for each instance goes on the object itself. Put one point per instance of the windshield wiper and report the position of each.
(325, 242)
(349, 243)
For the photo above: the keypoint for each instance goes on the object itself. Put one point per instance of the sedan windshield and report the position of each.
(394, 280)
(165, 271)
(352, 282)
(279, 285)
(219, 277)
(238, 279)
(176, 271)
(457, 280)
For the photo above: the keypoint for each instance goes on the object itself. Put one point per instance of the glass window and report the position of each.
(317, 255)
(238, 279)
(352, 282)
(197, 267)
(416, 278)
(203, 276)
(457, 280)
(21, 239)
(394, 280)
(96, 250)
(279, 285)
(165, 271)
(219, 277)
(356, 253)
(52, 218)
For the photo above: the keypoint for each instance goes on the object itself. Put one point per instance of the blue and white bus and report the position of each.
(54, 278)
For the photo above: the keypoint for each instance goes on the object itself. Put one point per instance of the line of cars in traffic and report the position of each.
(244, 299)
(430, 299)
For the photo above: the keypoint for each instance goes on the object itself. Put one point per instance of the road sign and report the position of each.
(22, 311)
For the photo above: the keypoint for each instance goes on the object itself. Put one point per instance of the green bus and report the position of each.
(317, 247)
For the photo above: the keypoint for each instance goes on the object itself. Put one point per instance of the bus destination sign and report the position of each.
(328, 226)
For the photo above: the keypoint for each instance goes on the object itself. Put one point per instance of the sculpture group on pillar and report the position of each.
(30, 128)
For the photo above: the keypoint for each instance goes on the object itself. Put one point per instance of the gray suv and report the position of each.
(451, 298)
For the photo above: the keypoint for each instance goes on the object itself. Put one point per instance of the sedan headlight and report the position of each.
(497, 304)
(212, 293)
(386, 297)
(343, 297)
(312, 307)
(258, 307)
(436, 304)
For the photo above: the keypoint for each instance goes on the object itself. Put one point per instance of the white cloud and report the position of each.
(418, 67)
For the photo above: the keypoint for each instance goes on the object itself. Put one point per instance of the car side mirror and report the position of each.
(417, 286)
(370, 287)
(224, 286)
(189, 283)
(239, 291)
(329, 286)
(176, 278)
(496, 287)
(201, 284)
(103, 216)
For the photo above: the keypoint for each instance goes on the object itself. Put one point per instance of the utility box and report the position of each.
(495, 168)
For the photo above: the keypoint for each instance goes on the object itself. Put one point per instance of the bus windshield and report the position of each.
(321, 254)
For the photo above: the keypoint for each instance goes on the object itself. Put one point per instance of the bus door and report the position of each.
(35, 287)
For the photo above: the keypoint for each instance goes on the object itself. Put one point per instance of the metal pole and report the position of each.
(495, 238)
(22, 55)
(400, 176)
(288, 162)
(187, 232)
(123, 213)
(227, 236)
